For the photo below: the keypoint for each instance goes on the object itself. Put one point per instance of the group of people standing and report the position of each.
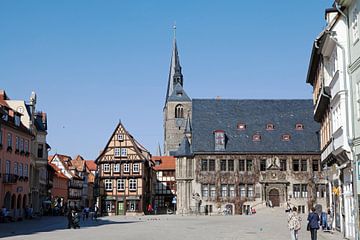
(73, 215)
(314, 222)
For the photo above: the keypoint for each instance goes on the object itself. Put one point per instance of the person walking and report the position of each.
(70, 217)
(313, 223)
(294, 223)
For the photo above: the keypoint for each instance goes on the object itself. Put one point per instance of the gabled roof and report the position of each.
(178, 95)
(57, 170)
(210, 114)
(91, 165)
(166, 163)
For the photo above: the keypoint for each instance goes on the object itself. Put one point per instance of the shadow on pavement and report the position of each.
(49, 224)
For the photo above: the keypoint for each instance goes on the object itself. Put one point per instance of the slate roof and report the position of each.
(179, 95)
(209, 115)
(185, 149)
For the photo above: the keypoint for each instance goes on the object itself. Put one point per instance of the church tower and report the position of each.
(177, 105)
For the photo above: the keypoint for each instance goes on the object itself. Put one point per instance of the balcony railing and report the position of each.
(10, 178)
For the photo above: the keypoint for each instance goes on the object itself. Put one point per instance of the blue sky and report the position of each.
(95, 62)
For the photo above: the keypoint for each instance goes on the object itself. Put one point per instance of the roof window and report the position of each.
(241, 126)
(299, 126)
(256, 137)
(285, 137)
(270, 126)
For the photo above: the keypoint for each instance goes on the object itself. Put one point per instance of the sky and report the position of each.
(94, 63)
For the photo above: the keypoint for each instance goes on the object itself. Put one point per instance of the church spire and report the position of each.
(175, 75)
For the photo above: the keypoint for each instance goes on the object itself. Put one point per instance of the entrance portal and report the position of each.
(274, 197)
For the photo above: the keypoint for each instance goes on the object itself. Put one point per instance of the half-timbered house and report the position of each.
(124, 175)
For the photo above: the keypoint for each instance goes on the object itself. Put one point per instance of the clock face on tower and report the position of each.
(20, 109)
(179, 122)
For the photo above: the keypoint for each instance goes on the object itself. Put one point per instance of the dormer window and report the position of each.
(157, 162)
(179, 93)
(256, 137)
(17, 120)
(219, 140)
(241, 126)
(270, 127)
(299, 126)
(286, 137)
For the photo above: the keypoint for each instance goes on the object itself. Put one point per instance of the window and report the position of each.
(358, 99)
(25, 170)
(224, 190)
(241, 165)
(212, 191)
(250, 191)
(17, 120)
(222, 165)
(179, 111)
(106, 167)
(108, 184)
(21, 144)
(204, 190)
(354, 26)
(121, 184)
(296, 166)
(315, 165)
(124, 152)
(269, 126)
(296, 190)
(17, 142)
(304, 192)
(117, 152)
(126, 167)
(15, 168)
(219, 140)
(303, 165)
(136, 167)
(117, 167)
(256, 137)
(249, 165)
(320, 190)
(120, 137)
(40, 150)
(299, 127)
(26, 146)
(9, 140)
(283, 165)
(285, 137)
(204, 165)
(211, 165)
(263, 165)
(7, 167)
(132, 184)
(242, 191)
(20, 169)
(231, 190)
(241, 126)
(231, 165)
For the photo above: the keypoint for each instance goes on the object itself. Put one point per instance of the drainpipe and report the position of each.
(353, 162)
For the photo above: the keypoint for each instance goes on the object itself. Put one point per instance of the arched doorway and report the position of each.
(274, 197)
(13, 201)
(24, 201)
(7, 200)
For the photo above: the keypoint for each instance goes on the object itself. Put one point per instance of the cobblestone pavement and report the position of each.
(266, 224)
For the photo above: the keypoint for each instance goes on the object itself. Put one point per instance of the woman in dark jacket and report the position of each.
(313, 219)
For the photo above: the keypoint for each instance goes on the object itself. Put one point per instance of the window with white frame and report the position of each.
(20, 169)
(242, 191)
(296, 190)
(106, 167)
(123, 152)
(337, 117)
(117, 152)
(108, 184)
(224, 190)
(117, 167)
(121, 184)
(126, 167)
(231, 190)
(132, 184)
(204, 190)
(120, 137)
(16, 168)
(212, 191)
(136, 167)
(332, 64)
(250, 191)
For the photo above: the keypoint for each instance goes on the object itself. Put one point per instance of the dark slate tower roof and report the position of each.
(185, 149)
(254, 116)
(178, 95)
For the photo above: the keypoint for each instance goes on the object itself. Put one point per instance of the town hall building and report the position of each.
(232, 154)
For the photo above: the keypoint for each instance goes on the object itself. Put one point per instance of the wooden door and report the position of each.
(120, 208)
(274, 197)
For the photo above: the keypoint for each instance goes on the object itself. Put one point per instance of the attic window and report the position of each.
(120, 137)
(270, 126)
(256, 137)
(241, 126)
(219, 140)
(286, 137)
(299, 126)
(179, 93)
(157, 162)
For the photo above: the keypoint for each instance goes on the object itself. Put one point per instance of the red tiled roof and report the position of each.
(167, 162)
(58, 172)
(91, 165)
